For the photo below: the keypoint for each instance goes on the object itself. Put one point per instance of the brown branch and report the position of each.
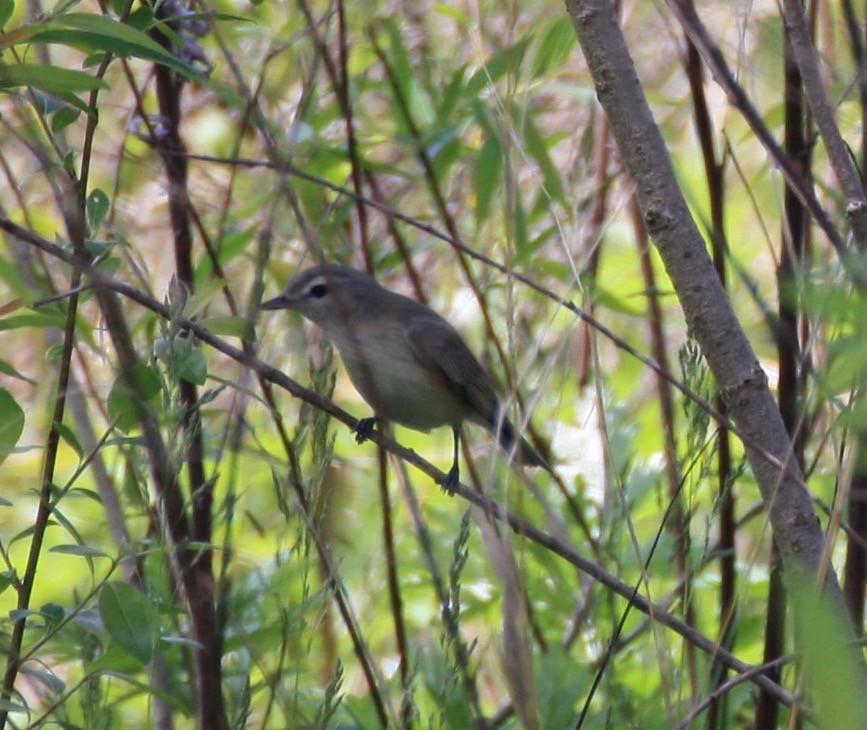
(208, 651)
(394, 595)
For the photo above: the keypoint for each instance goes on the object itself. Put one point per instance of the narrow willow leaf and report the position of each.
(84, 551)
(554, 46)
(93, 32)
(486, 176)
(50, 79)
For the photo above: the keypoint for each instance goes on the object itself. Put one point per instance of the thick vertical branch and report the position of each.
(200, 580)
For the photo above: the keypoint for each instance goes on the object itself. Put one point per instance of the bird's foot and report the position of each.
(363, 429)
(450, 483)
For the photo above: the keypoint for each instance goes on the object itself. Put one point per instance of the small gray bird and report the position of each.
(408, 363)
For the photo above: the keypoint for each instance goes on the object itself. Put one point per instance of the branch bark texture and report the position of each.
(708, 312)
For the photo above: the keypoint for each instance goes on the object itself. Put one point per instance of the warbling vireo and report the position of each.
(408, 363)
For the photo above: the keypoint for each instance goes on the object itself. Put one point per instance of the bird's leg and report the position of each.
(363, 429)
(453, 477)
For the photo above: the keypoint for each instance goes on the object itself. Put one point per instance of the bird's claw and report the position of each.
(363, 429)
(452, 480)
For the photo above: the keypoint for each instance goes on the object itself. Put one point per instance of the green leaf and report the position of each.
(400, 62)
(97, 205)
(10, 706)
(51, 79)
(68, 435)
(84, 551)
(461, 17)
(63, 117)
(538, 149)
(117, 664)
(486, 176)
(92, 32)
(33, 319)
(121, 404)
(230, 245)
(505, 60)
(51, 681)
(11, 423)
(193, 367)
(69, 162)
(9, 370)
(53, 613)
(7, 7)
(180, 641)
(10, 274)
(130, 619)
(16, 614)
(229, 326)
(605, 298)
(6, 578)
(830, 659)
(418, 102)
(559, 684)
(203, 296)
(449, 104)
(554, 46)
(141, 18)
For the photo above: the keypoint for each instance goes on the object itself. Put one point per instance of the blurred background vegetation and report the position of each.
(339, 587)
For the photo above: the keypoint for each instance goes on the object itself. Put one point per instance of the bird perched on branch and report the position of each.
(407, 362)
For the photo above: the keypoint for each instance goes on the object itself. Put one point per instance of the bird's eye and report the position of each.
(318, 291)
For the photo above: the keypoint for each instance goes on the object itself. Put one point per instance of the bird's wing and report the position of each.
(439, 348)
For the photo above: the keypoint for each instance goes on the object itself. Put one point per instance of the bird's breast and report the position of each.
(388, 376)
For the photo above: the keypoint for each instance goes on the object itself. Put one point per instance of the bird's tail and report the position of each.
(516, 447)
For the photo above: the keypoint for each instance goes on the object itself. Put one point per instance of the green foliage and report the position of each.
(337, 603)
(92, 32)
(830, 662)
(131, 390)
(130, 619)
(11, 423)
(48, 79)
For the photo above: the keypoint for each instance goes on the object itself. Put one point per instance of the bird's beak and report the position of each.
(281, 302)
